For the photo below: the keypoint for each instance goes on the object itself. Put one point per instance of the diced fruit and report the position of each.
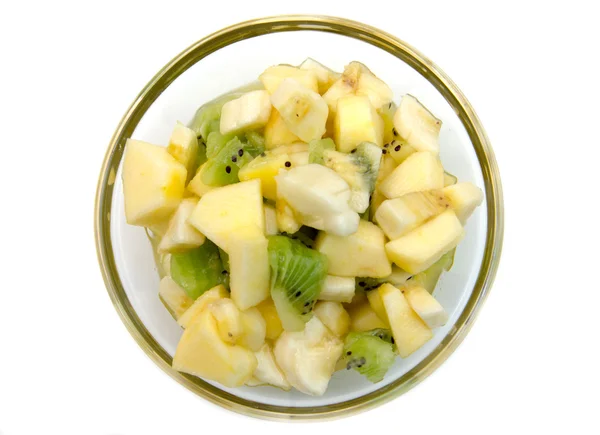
(398, 277)
(153, 183)
(387, 165)
(363, 318)
(269, 312)
(320, 197)
(273, 76)
(376, 303)
(449, 179)
(160, 228)
(325, 76)
(229, 320)
(299, 159)
(464, 198)
(297, 275)
(277, 133)
(254, 327)
(197, 186)
(334, 316)
(400, 150)
(197, 270)
(369, 355)
(267, 371)
(202, 353)
(181, 235)
(216, 142)
(308, 357)
(265, 168)
(316, 150)
(417, 125)
(303, 110)
(419, 172)
(286, 219)
(223, 168)
(255, 143)
(357, 121)
(359, 254)
(426, 306)
(337, 289)
(183, 145)
(419, 249)
(376, 89)
(212, 295)
(410, 333)
(399, 216)
(346, 85)
(206, 119)
(270, 221)
(387, 115)
(249, 112)
(173, 297)
(249, 276)
(230, 212)
(429, 278)
(359, 169)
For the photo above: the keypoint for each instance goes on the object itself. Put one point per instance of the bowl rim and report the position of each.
(287, 23)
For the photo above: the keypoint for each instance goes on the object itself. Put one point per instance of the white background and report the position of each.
(68, 72)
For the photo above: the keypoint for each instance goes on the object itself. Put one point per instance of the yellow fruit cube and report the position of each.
(250, 272)
(272, 77)
(376, 303)
(197, 186)
(212, 295)
(181, 235)
(183, 145)
(356, 121)
(363, 318)
(265, 169)
(269, 313)
(174, 297)
(334, 316)
(277, 133)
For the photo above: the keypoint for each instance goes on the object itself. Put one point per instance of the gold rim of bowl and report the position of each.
(258, 27)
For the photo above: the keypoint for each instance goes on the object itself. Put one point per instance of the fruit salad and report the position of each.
(300, 226)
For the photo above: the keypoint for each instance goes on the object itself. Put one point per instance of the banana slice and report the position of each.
(338, 289)
(250, 111)
(325, 76)
(417, 125)
(267, 371)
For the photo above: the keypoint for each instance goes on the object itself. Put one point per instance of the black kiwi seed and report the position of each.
(386, 145)
(240, 152)
(223, 272)
(298, 294)
(234, 159)
(263, 154)
(392, 340)
(362, 283)
(353, 151)
(409, 278)
(306, 304)
(384, 151)
(230, 334)
(349, 352)
(395, 132)
(228, 169)
(397, 148)
(288, 164)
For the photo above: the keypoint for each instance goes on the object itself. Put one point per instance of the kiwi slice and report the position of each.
(223, 168)
(198, 270)
(216, 142)
(297, 275)
(255, 143)
(429, 278)
(368, 354)
(201, 156)
(208, 116)
(317, 147)
(305, 235)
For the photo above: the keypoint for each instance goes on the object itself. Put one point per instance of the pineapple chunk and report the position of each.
(277, 133)
(417, 125)
(230, 212)
(400, 150)
(181, 235)
(359, 254)
(333, 315)
(376, 89)
(356, 121)
(409, 331)
(255, 329)
(229, 320)
(398, 216)
(153, 183)
(420, 171)
(197, 186)
(249, 270)
(173, 297)
(270, 221)
(346, 85)
(325, 76)
(265, 168)
(183, 145)
(202, 353)
(272, 77)
(422, 247)
(273, 323)
(376, 304)
(212, 295)
(248, 112)
(267, 370)
(464, 198)
(426, 306)
(363, 318)
(338, 289)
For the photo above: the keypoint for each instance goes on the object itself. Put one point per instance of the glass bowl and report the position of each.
(236, 56)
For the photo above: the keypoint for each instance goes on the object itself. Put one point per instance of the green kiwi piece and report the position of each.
(223, 168)
(316, 149)
(368, 354)
(429, 278)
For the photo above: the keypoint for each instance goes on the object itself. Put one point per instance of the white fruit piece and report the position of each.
(229, 319)
(270, 220)
(286, 218)
(276, 132)
(201, 352)
(399, 216)
(319, 196)
(249, 112)
(308, 357)
(419, 249)
(337, 289)
(464, 198)
(303, 110)
(419, 172)
(174, 297)
(417, 125)
(356, 121)
(376, 89)
(426, 306)
(255, 329)
(325, 76)
(344, 86)
(153, 183)
(334, 316)
(409, 331)
(183, 145)
(230, 212)
(196, 185)
(359, 254)
(272, 77)
(212, 295)
(267, 371)
(363, 318)
(249, 270)
(181, 235)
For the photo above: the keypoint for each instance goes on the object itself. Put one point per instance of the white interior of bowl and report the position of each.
(235, 66)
